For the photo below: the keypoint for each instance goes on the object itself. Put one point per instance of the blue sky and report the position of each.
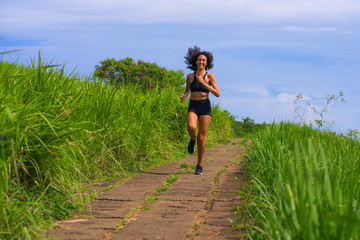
(265, 52)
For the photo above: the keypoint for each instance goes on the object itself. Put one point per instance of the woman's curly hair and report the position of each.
(193, 54)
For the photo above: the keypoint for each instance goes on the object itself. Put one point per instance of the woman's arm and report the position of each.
(187, 89)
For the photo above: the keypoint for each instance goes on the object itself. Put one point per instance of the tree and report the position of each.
(144, 75)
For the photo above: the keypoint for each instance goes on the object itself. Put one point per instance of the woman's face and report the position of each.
(201, 61)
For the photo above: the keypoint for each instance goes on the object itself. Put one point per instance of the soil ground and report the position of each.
(167, 202)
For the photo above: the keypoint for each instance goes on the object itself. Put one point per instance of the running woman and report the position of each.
(198, 85)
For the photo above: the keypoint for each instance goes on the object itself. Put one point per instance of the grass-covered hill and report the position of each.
(302, 184)
(59, 132)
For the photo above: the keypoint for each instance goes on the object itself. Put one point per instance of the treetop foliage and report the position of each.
(144, 75)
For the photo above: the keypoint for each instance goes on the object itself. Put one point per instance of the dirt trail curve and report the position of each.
(167, 202)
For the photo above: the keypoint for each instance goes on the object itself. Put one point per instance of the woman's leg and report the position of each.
(204, 122)
(192, 119)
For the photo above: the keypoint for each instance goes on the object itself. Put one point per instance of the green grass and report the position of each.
(59, 133)
(302, 184)
(170, 179)
(186, 167)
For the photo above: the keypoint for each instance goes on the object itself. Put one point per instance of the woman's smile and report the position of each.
(201, 61)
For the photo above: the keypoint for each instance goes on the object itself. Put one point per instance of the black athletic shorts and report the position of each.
(200, 107)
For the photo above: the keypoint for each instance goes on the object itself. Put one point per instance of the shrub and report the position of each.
(246, 127)
(142, 74)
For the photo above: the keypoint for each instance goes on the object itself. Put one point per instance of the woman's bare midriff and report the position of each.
(199, 95)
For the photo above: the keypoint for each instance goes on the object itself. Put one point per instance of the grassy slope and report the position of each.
(58, 132)
(303, 184)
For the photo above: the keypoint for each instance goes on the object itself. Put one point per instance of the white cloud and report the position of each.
(257, 44)
(307, 29)
(282, 108)
(347, 32)
(22, 14)
(257, 103)
(286, 98)
(261, 107)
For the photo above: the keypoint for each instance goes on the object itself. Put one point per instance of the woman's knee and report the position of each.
(201, 137)
(191, 127)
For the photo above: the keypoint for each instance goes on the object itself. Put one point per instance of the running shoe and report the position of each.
(198, 170)
(191, 146)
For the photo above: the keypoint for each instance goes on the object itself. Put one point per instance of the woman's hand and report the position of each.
(183, 98)
(202, 81)
(211, 82)
(187, 89)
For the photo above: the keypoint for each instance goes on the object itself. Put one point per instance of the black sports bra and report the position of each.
(195, 86)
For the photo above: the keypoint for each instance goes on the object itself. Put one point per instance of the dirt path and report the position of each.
(167, 202)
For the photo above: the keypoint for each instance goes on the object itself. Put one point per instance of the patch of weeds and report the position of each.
(160, 189)
(129, 215)
(163, 199)
(235, 161)
(150, 198)
(153, 209)
(169, 180)
(239, 217)
(172, 178)
(244, 142)
(185, 166)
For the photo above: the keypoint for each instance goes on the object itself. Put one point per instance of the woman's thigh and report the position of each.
(204, 122)
(192, 119)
